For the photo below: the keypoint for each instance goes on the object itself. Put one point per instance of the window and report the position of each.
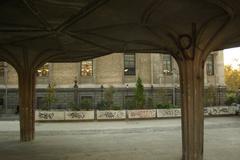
(167, 64)
(43, 71)
(129, 64)
(87, 68)
(210, 65)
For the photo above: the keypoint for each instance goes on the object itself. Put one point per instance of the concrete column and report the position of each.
(192, 85)
(26, 80)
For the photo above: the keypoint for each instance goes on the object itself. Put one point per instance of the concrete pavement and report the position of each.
(118, 140)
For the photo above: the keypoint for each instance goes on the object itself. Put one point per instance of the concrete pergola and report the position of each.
(34, 32)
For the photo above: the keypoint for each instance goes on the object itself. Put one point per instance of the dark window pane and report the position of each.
(129, 64)
(167, 64)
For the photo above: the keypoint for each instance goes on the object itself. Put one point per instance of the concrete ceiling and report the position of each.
(79, 29)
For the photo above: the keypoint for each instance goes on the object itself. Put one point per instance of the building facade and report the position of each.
(88, 80)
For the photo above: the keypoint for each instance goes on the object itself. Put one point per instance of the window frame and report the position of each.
(129, 64)
(46, 68)
(210, 65)
(167, 64)
(91, 68)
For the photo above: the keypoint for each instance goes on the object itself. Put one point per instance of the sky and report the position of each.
(232, 57)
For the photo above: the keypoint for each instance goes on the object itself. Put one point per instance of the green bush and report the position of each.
(139, 94)
(149, 103)
(108, 97)
(130, 104)
(73, 106)
(230, 99)
(50, 97)
(86, 104)
(116, 108)
(165, 106)
(102, 105)
(238, 99)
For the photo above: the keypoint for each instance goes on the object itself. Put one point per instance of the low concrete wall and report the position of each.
(222, 110)
(164, 113)
(49, 115)
(142, 114)
(111, 115)
(132, 114)
(79, 115)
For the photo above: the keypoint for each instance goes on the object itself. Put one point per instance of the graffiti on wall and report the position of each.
(46, 115)
(226, 110)
(49, 115)
(168, 113)
(78, 115)
(151, 113)
(81, 115)
(111, 114)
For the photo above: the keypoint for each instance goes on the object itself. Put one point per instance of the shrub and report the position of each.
(230, 99)
(165, 106)
(139, 94)
(116, 108)
(130, 104)
(73, 106)
(50, 97)
(238, 99)
(86, 104)
(102, 105)
(108, 96)
(149, 102)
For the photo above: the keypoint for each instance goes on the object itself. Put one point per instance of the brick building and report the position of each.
(159, 73)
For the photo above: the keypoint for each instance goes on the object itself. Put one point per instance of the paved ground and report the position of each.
(122, 140)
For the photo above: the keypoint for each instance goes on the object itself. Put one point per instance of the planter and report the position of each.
(111, 115)
(79, 115)
(142, 114)
(49, 115)
(164, 113)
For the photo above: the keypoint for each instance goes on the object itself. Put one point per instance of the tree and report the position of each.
(232, 78)
(50, 97)
(108, 96)
(139, 94)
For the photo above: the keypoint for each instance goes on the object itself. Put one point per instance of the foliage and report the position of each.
(102, 105)
(149, 102)
(73, 106)
(116, 108)
(210, 96)
(165, 106)
(230, 98)
(50, 97)
(139, 94)
(130, 103)
(238, 99)
(108, 96)
(85, 104)
(232, 78)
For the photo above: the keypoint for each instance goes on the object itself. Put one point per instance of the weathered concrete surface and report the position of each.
(124, 140)
(111, 114)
